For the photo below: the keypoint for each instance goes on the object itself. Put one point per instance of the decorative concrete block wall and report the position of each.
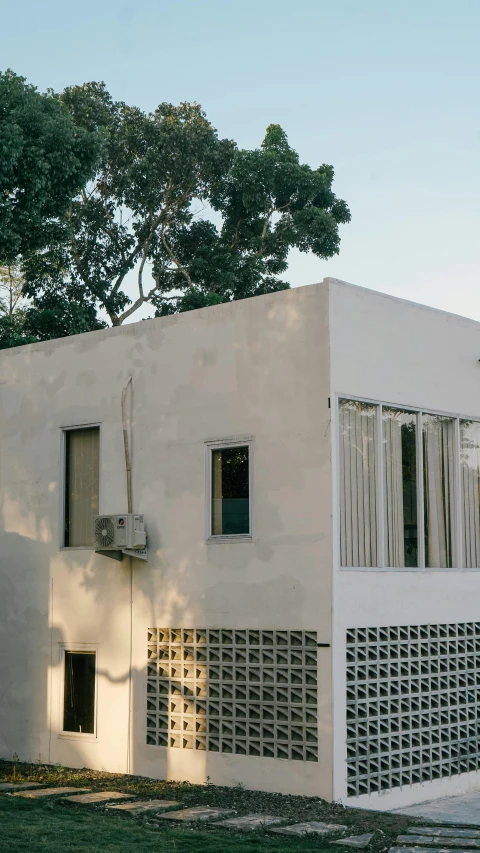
(413, 704)
(242, 691)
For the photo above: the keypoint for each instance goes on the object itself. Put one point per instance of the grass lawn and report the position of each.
(28, 827)
(52, 826)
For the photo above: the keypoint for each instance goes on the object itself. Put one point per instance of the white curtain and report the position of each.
(439, 487)
(358, 515)
(82, 484)
(393, 487)
(470, 476)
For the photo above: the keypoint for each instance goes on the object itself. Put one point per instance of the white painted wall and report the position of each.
(392, 351)
(259, 367)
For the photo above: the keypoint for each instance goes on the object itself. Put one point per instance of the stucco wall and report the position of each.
(256, 368)
(392, 351)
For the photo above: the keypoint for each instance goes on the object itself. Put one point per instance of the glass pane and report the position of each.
(358, 515)
(470, 492)
(400, 488)
(230, 492)
(439, 490)
(79, 692)
(82, 484)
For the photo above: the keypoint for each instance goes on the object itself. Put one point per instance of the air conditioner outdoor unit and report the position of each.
(118, 532)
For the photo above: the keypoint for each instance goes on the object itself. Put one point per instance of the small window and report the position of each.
(81, 485)
(79, 692)
(230, 479)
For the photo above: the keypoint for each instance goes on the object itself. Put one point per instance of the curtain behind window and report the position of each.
(358, 514)
(82, 485)
(400, 488)
(470, 492)
(393, 487)
(439, 489)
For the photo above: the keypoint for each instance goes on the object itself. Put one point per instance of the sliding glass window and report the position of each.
(409, 488)
(439, 490)
(400, 488)
(358, 492)
(470, 492)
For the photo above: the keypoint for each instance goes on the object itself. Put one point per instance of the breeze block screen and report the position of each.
(413, 704)
(247, 692)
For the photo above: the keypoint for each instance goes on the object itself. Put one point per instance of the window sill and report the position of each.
(77, 736)
(241, 537)
(77, 548)
(418, 570)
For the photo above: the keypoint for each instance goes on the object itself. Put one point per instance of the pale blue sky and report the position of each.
(385, 90)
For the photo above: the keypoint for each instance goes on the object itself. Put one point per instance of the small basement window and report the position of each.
(79, 692)
(230, 473)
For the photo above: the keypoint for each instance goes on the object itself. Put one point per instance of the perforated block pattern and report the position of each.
(233, 691)
(413, 697)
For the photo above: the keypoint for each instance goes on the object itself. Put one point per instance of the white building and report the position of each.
(307, 464)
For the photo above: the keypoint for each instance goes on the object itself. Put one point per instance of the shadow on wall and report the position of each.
(25, 645)
(261, 686)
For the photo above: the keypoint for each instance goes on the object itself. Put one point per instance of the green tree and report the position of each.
(194, 219)
(12, 308)
(45, 159)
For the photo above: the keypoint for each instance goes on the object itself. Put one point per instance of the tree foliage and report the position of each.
(184, 218)
(45, 159)
(195, 219)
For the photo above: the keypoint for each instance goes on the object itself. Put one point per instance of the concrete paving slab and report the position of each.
(200, 813)
(8, 787)
(250, 822)
(444, 832)
(49, 792)
(463, 808)
(427, 850)
(313, 827)
(98, 797)
(359, 841)
(137, 808)
(471, 843)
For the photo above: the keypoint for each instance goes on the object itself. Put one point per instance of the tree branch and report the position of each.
(266, 223)
(175, 261)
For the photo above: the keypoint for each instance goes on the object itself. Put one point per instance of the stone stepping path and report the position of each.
(437, 839)
(250, 822)
(313, 827)
(427, 850)
(359, 841)
(471, 843)
(200, 813)
(137, 808)
(49, 792)
(444, 831)
(98, 797)
(171, 810)
(8, 787)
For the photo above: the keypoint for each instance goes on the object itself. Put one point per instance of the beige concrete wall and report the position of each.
(388, 350)
(256, 368)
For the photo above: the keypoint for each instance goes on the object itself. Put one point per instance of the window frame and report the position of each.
(221, 444)
(77, 647)
(63, 482)
(457, 522)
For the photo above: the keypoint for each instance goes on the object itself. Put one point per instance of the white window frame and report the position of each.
(63, 481)
(221, 444)
(457, 524)
(77, 647)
